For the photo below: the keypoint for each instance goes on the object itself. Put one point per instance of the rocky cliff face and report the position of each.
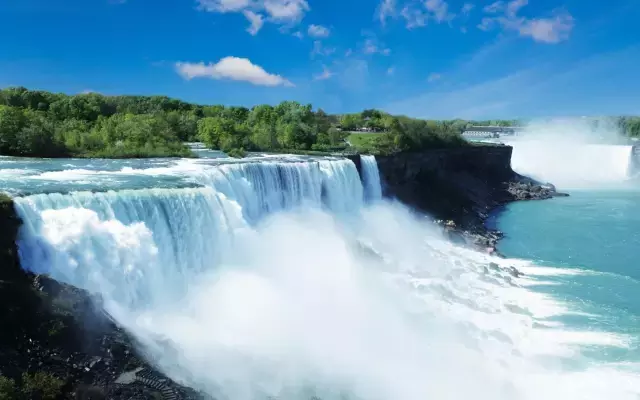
(462, 185)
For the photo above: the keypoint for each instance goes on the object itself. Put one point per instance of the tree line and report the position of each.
(43, 124)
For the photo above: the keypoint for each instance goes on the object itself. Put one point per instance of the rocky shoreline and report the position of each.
(461, 186)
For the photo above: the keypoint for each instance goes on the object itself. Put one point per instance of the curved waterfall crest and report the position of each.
(143, 240)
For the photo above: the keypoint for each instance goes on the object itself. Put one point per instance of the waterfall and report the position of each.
(137, 246)
(131, 243)
(371, 178)
(278, 280)
(573, 165)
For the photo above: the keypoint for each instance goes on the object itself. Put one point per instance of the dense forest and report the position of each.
(44, 124)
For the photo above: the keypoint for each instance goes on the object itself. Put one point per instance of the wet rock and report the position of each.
(514, 272)
(460, 188)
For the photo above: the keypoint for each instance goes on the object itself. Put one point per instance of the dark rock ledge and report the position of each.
(460, 188)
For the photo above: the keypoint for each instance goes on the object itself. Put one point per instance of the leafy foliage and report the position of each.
(41, 385)
(629, 125)
(7, 388)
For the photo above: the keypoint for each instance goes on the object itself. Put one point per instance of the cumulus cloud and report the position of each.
(552, 29)
(325, 74)
(319, 49)
(494, 7)
(318, 31)
(386, 9)
(231, 68)
(418, 14)
(223, 6)
(256, 21)
(439, 10)
(548, 30)
(371, 46)
(467, 7)
(283, 12)
(414, 17)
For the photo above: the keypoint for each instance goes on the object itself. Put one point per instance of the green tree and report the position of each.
(41, 385)
(12, 121)
(8, 389)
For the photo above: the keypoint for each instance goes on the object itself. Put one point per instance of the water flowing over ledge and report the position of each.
(293, 280)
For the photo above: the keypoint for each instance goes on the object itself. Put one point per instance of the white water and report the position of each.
(371, 178)
(572, 154)
(277, 281)
(569, 165)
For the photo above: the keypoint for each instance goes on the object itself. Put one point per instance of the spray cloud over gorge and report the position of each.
(573, 153)
(293, 279)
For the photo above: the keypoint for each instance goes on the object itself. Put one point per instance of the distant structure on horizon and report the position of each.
(486, 132)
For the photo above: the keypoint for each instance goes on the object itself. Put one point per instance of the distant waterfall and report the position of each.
(371, 178)
(573, 165)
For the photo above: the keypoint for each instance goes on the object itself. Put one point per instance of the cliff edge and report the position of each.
(462, 185)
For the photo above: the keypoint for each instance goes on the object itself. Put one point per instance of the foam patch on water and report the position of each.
(535, 270)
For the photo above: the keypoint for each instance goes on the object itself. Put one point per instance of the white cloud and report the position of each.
(282, 12)
(494, 7)
(318, 31)
(417, 15)
(231, 68)
(371, 46)
(546, 30)
(224, 6)
(486, 24)
(298, 34)
(434, 77)
(256, 21)
(467, 7)
(326, 74)
(414, 17)
(286, 10)
(319, 49)
(514, 6)
(386, 9)
(439, 10)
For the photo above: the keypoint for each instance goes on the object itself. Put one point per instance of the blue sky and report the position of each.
(426, 58)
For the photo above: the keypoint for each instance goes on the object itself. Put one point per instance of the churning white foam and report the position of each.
(311, 293)
(572, 153)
